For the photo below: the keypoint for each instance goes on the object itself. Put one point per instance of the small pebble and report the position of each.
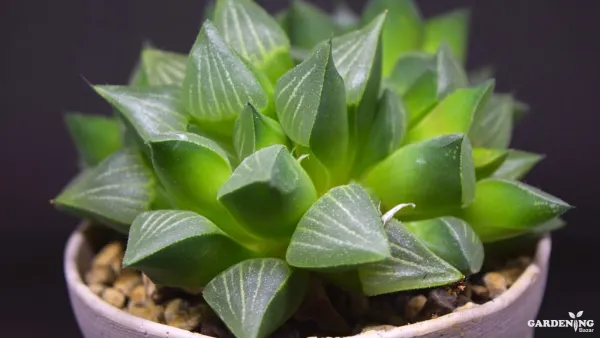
(138, 295)
(188, 319)
(100, 275)
(149, 311)
(111, 255)
(377, 328)
(480, 290)
(114, 297)
(467, 306)
(443, 300)
(495, 283)
(414, 306)
(128, 280)
(511, 275)
(97, 289)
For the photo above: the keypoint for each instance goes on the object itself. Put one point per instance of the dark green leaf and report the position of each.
(389, 127)
(218, 84)
(342, 229)
(408, 69)
(308, 25)
(487, 161)
(454, 114)
(256, 296)
(310, 101)
(517, 164)
(403, 30)
(269, 192)
(492, 125)
(411, 266)
(147, 111)
(504, 209)
(254, 131)
(453, 240)
(192, 169)
(254, 35)
(114, 192)
(180, 248)
(163, 67)
(451, 28)
(437, 175)
(96, 137)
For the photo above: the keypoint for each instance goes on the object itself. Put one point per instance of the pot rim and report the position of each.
(76, 285)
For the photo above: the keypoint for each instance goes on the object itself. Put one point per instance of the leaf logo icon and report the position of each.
(572, 315)
(579, 314)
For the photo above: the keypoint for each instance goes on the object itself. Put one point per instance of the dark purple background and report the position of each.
(544, 51)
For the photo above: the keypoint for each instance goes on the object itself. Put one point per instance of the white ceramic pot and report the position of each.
(505, 316)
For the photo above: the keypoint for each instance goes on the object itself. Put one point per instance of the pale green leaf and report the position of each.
(308, 25)
(453, 240)
(411, 266)
(517, 164)
(114, 192)
(492, 126)
(163, 67)
(180, 248)
(95, 137)
(342, 229)
(437, 175)
(310, 102)
(403, 30)
(505, 208)
(451, 28)
(192, 168)
(450, 74)
(254, 131)
(255, 297)
(147, 111)
(487, 161)
(389, 127)
(408, 69)
(218, 84)
(268, 193)
(254, 35)
(454, 114)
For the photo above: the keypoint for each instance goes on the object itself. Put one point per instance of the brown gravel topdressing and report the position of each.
(327, 310)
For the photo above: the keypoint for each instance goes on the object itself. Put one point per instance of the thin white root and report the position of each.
(390, 214)
(302, 157)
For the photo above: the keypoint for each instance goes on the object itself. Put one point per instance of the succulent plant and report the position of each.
(357, 149)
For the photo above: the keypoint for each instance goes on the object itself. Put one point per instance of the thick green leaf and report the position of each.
(357, 57)
(342, 229)
(308, 25)
(269, 192)
(433, 84)
(492, 126)
(389, 127)
(517, 164)
(487, 161)
(254, 35)
(453, 115)
(192, 168)
(403, 30)
(256, 296)
(147, 111)
(408, 69)
(114, 192)
(96, 137)
(451, 28)
(437, 175)
(254, 131)
(180, 248)
(453, 240)
(310, 101)
(218, 84)
(318, 173)
(504, 209)
(411, 266)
